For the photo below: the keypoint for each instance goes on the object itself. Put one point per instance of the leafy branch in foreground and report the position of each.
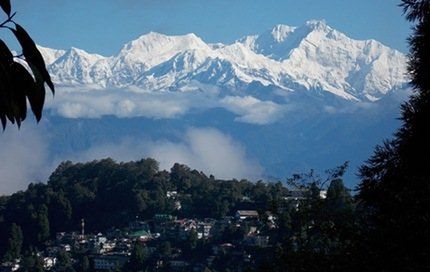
(21, 77)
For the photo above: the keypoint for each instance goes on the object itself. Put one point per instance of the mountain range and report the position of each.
(265, 106)
(314, 58)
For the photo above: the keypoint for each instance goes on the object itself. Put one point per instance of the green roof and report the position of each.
(139, 233)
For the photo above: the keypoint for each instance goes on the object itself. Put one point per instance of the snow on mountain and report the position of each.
(319, 57)
(75, 66)
(50, 55)
(148, 51)
(313, 57)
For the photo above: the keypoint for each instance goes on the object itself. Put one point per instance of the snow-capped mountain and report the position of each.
(313, 57)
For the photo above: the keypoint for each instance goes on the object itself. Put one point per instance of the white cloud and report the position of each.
(82, 103)
(120, 103)
(252, 110)
(205, 149)
(23, 156)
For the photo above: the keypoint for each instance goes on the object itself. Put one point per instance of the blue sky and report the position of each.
(103, 26)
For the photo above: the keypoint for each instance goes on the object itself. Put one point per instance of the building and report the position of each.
(204, 229)
(141, 235)
(8, 267)
(109, 262)
(246, 214)
(256, 240)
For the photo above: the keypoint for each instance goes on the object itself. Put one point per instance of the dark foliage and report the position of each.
(17, 83)
(395, 185)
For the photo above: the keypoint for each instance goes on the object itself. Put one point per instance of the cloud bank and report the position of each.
(25, 155)
(252, 110)
(205, 149)
(76, 103)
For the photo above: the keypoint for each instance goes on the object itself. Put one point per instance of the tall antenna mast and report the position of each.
(82, 227)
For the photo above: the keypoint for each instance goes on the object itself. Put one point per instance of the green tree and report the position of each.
(60, 213)
(138, 258)
(31, 262)
(16, 82)
(395, 186)
(165, 249)
(339, 199)
(64, 263)
(14, 243)
(85, 264)
(192, 239)
(42, 224)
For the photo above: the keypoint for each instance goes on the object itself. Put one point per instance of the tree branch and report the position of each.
(8, 20)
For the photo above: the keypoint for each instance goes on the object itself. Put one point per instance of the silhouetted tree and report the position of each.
(395, 186)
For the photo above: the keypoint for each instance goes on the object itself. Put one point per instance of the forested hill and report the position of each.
(109, 194)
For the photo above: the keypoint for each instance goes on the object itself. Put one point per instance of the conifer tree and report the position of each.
(395, 186)
(14, 243)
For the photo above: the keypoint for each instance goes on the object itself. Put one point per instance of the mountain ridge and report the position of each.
(312, 57)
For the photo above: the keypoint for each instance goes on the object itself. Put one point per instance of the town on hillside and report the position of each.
(167, 242)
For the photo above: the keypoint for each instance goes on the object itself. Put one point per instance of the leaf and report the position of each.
(5, 86)
(3, 120)
(32, 55)
(5, 5)
(23, 86)
(5, 54)
(36, 96)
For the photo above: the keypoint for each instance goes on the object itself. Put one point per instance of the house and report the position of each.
(246, 214)
(295, 195)
(159, 218)
(256, 241)
(204, 229)
(9, 266)
(141, 235)
(323, 194)
(66, 247)
(109, 262)
(184, 227)
(292, 199)
(178, 265)
(138, 225)
(172, 194)
(49, 262)
(123, 245)
(178, 205)
(271, 220)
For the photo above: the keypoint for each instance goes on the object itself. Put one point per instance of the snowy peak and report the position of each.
(313, 58)
(319, 57)
(319, 25)
(277, 43)
(74, 66)
(155, 48)
(281, 32)
(148, 51)
(50, 55)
